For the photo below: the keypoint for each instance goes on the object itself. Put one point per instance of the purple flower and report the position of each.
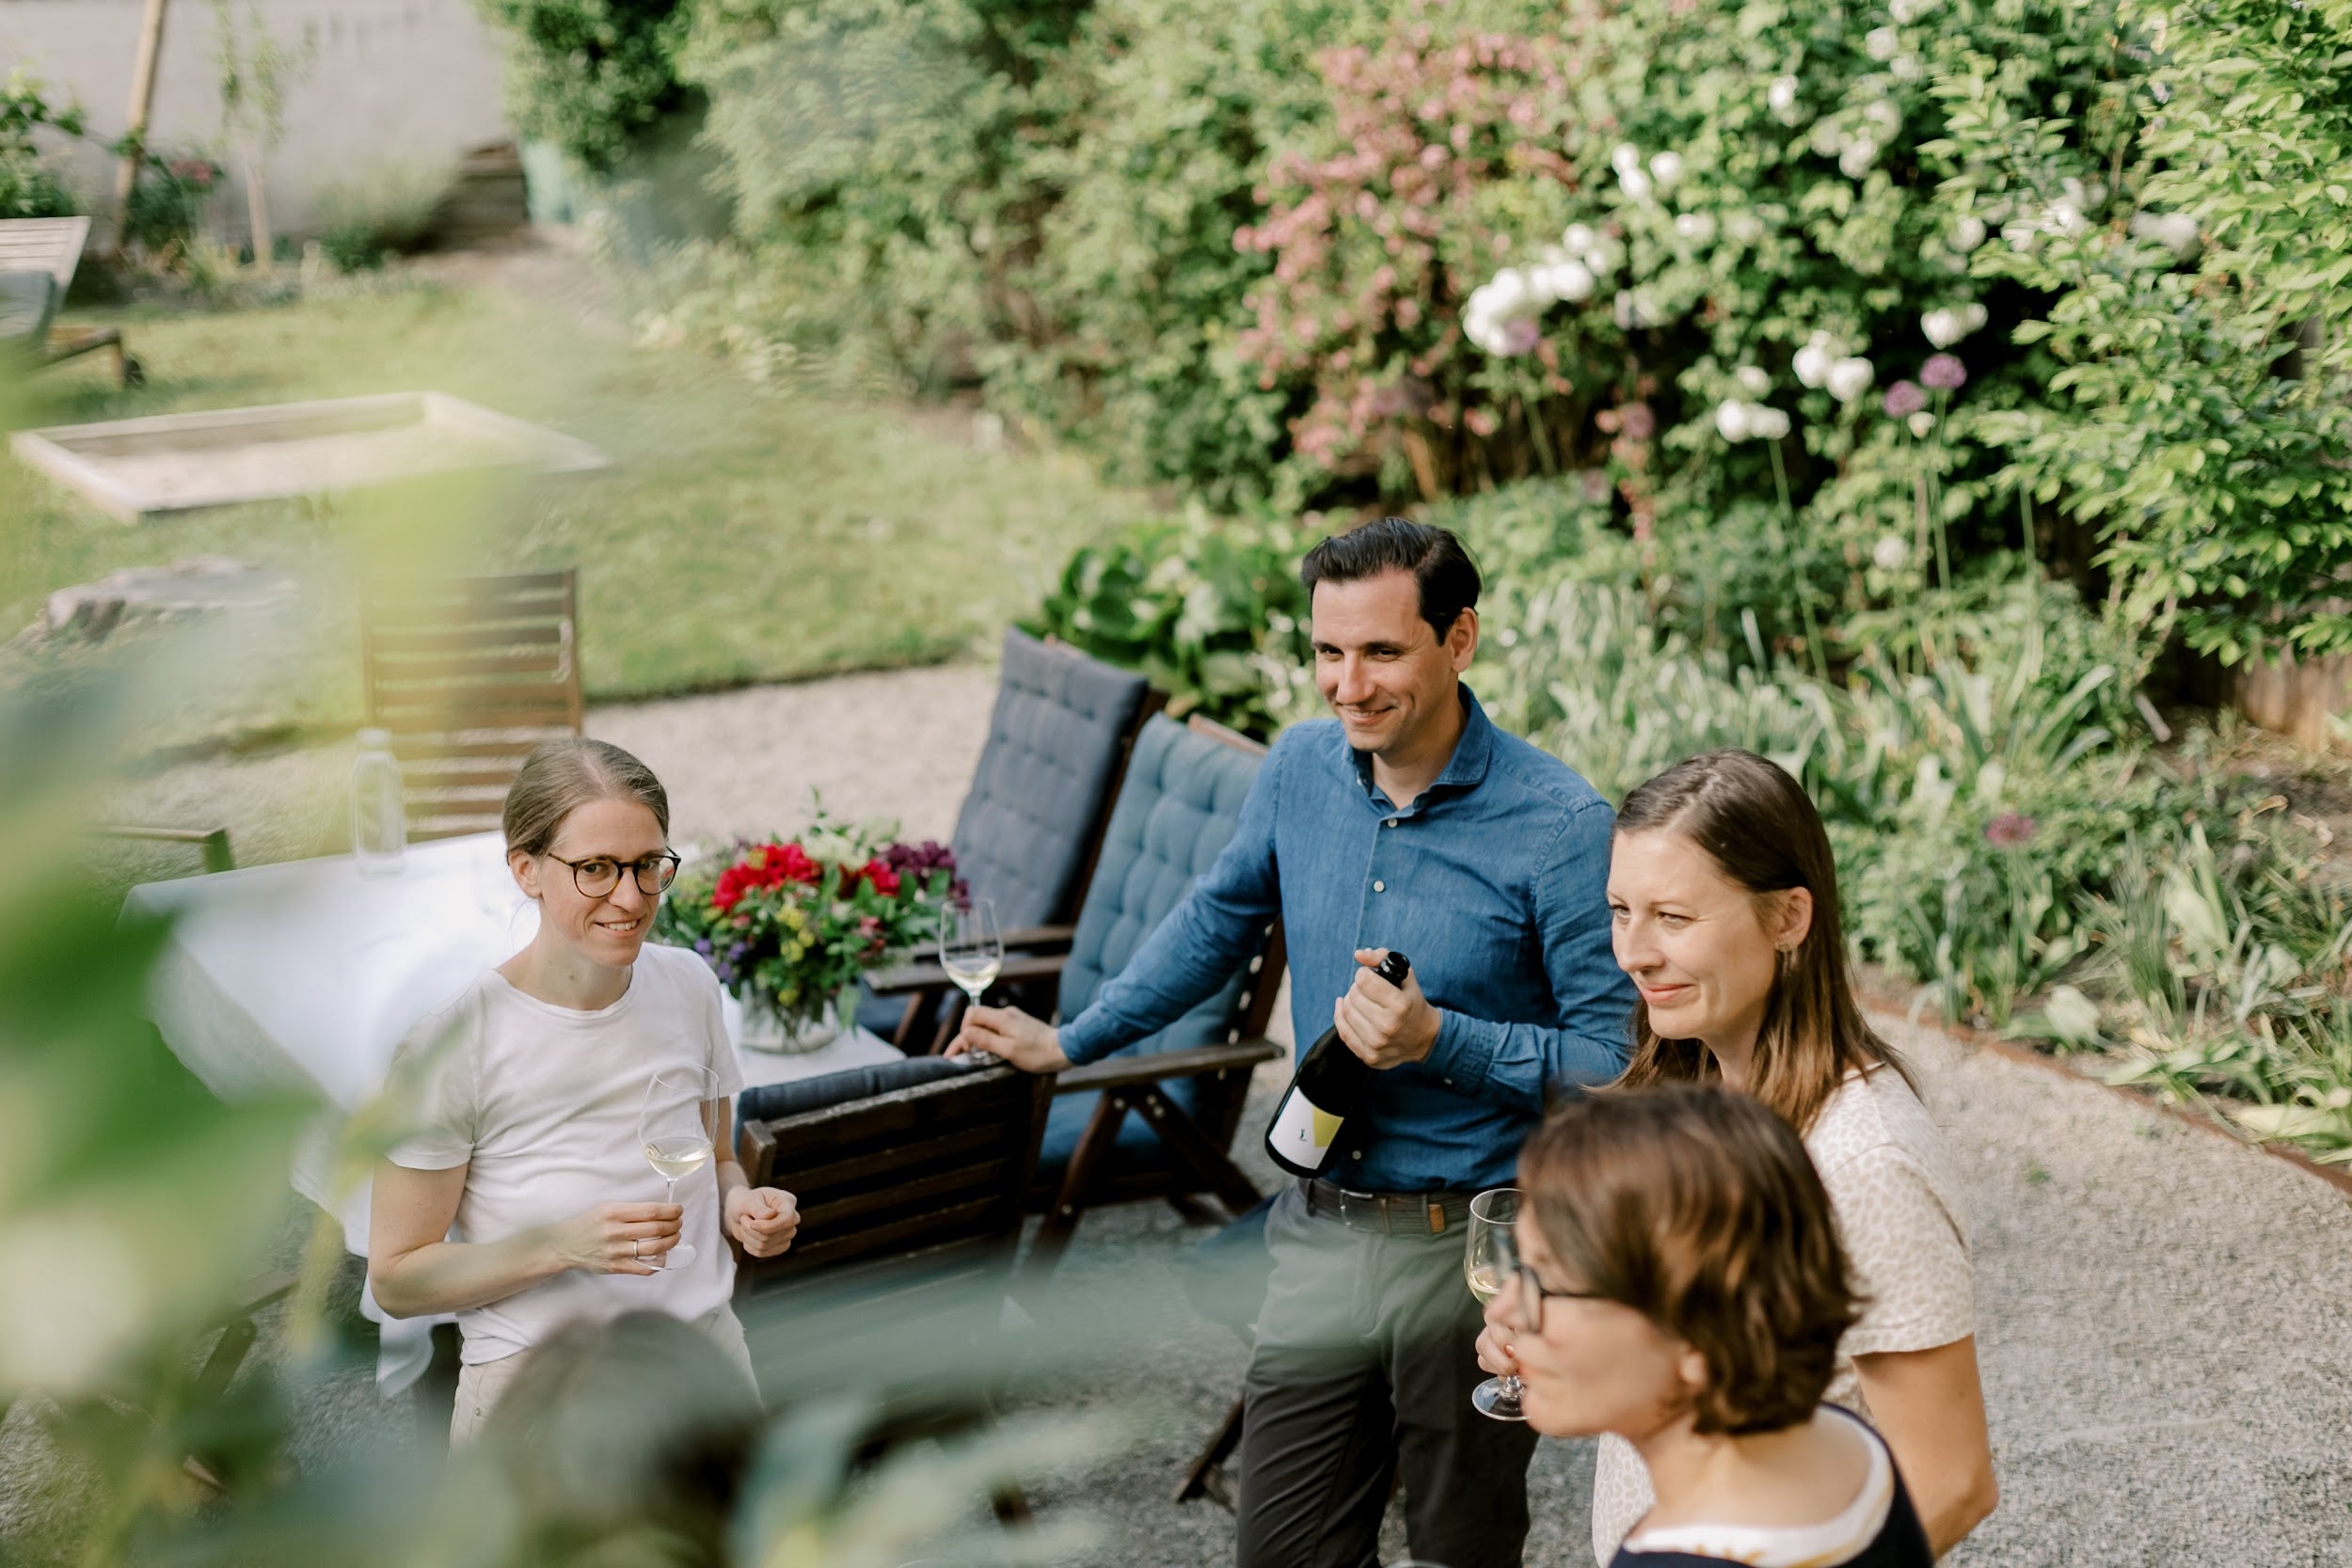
(2009, 830)
(1640, 423)
(702, 946)
(1944, 372)
(1904, 398)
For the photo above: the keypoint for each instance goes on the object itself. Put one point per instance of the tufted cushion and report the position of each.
(1178, 807)
(1053, 742)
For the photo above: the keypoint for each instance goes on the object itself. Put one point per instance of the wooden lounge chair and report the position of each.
(1032, 821)
(37, 259)
(1155, 1120)
(910, 1178)
(467, 674)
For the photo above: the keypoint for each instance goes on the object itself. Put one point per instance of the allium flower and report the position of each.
(2009, 830)
(1767, 423)
(1563, 276)
(1519, 336)
(1890, 553)
(1920, 424)
(1781, 98)
(1638, 420)
(1850, 378)
(1904, 398)
(1944, 372)
(1731, 419)
(1736, 421)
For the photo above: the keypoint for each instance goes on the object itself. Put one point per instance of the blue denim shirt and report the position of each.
(1492, 883)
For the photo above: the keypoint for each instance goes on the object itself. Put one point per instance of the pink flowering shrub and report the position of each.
(1440, 153)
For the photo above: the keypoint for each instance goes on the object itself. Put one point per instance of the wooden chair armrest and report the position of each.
(1119, 1072)
(908, 979)
(1036, 938)
(214, 842)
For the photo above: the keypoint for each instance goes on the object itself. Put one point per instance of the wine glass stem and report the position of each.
(1513, 1388)
(671, 1196)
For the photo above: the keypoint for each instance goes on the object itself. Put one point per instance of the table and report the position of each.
(307, 975)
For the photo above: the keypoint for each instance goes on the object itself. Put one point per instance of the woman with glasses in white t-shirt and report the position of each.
(523, 1199)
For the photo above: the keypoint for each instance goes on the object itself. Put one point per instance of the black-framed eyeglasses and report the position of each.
(1527, 1302)
(598, 874)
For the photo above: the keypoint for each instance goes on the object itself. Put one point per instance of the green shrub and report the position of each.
(29, 186)
(2199, 412)
(1210, 611)
(592, 76)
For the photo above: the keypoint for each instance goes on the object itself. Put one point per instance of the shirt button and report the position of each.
(1389, 823)
(1355, 1153)
(1379, 887)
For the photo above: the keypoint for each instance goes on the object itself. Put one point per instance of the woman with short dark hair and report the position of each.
(1681, 1287)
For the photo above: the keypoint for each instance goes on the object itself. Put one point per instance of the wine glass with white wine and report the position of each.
(674, 1124)
(971, 950)
(1489, 1260)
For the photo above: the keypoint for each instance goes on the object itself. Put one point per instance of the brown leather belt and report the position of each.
(1390, 1213)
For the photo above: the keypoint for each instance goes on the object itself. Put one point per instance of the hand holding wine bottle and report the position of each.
(1330, 1087)
(1386, 1024)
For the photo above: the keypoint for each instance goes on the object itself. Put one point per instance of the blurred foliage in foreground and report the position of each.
(135, 1209)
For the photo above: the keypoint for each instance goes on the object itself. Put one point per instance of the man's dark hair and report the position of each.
(1447, 576)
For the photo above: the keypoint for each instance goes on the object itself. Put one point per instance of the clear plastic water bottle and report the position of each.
(379, 816)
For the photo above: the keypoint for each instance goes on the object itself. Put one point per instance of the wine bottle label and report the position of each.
(1303, 1134)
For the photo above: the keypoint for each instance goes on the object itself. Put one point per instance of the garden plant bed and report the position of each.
(224, 457)
(1879, 993)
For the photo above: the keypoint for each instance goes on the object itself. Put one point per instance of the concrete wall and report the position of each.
(410, 81)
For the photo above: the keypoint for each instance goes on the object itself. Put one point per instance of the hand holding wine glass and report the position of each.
(674, 1126)
(971, 950)
(1489, 1260)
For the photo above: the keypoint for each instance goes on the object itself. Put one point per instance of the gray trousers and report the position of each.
(1365, 1360)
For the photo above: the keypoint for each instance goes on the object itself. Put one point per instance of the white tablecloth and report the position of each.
(306, 975)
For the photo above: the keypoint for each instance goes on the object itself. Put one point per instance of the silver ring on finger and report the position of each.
(637, 1249)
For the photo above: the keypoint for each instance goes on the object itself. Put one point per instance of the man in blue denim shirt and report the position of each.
(1408, 823)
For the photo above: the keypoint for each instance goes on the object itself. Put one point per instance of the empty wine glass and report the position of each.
(1489, 1260)
(676, 1125)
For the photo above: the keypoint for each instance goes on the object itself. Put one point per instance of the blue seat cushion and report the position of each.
(775, 1102)
(1053, 742)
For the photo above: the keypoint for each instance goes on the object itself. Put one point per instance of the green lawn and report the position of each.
(741, 535)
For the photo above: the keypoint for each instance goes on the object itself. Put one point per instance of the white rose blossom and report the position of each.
(1625, 157)
(1736, 421)
(1781, 98)
(1813, 362)
(1731, 419)
(1768, 424)
(1665, 168)
(1697, 228)
(1753, 380)
(1890, 553)
(1849, 377)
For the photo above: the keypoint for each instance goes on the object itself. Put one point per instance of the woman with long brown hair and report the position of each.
(1723, 895)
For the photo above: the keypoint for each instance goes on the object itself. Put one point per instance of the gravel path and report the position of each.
(2166, 1319)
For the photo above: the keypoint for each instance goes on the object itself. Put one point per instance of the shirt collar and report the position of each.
(1473, 749)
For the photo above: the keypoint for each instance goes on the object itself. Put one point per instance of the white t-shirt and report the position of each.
(1905, 1229)
(542, 1104)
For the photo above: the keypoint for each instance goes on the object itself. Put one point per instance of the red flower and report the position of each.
(770, 866)
(884, 880)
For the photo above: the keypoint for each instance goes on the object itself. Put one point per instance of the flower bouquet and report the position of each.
(789, 925)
